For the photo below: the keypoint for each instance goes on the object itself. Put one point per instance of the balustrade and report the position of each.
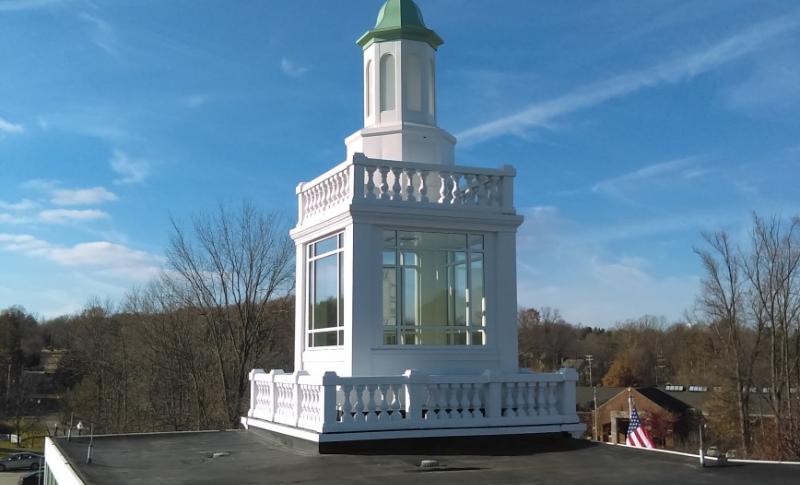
(331, 403)
(369, 181)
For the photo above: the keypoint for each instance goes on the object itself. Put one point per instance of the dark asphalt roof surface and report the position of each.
(251, 458)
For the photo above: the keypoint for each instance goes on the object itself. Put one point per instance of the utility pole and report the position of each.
(589, 359)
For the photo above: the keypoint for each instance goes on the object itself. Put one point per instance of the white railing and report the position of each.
(364, 180)
(330, 403)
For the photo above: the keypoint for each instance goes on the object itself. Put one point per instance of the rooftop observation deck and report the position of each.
(369, 182)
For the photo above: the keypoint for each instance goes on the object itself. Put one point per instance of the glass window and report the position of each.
(433, 288)
(325, 293)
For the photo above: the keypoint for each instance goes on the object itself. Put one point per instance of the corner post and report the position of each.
(494, 396)
(568, 398)
(357, 177)
(329, 411)
(508, 189)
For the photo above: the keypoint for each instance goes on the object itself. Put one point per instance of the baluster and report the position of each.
(541, 394)
(493, 187)
(453, 401)
(456, 196)
(483, 180)
(369, 192)
(409, 189)
(397, 193)
(423, 186)
(476, 401)
(358, 406)
(430, 403)
(551, 398)
(530, 399)
(521, 399)
(440, 400)
(465, 401)
(469, 190)
(394, 404)
(347, 406)
(509, 401)
(380, 407)
(384, 180)
(444, 191)
(370, 408)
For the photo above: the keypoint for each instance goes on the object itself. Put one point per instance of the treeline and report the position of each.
(742, 337)
(176, 354)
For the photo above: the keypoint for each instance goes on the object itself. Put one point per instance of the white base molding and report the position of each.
(574, 429)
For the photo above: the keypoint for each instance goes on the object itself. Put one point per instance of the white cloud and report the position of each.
(615, 185)
(102, 257)
(66, 215)
(292, 69)
(10, 128)
(6, 218)
(23, 205)
(669, 72)
(94, 195)
(131, 170)
(102, 34)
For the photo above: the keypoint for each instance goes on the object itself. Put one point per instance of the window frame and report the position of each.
(451, 331)
(310, 266)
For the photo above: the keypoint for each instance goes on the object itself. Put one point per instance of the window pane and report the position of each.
(389, 296)
(326, 245)
(389, 240)
(477, 299)
(410, 296)
(325, 292)
(390, 258)
(477, 338)
(457, 287)
(323, 339)
(431, 240)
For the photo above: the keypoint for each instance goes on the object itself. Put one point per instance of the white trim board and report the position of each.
(409, 433)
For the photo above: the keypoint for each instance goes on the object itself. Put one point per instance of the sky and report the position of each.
(634, 127)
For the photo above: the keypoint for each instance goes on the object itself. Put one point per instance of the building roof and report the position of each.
(400, 19)
(245, 457)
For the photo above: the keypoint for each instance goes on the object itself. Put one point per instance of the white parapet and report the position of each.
(367, 181)
(332, 404)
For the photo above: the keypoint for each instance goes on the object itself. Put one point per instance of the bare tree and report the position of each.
(722, 300)
(229, 267)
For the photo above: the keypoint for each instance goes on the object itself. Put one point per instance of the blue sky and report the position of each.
(633, 125)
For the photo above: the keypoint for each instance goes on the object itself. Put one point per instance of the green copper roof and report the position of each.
(400, 19)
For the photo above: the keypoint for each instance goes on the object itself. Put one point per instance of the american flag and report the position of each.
(637, 435)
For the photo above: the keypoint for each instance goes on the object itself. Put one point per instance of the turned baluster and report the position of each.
(369, 191)
(551, 398)
(453, 404)
(509, 401)
(465, 401)
(423, 186)
(476, 401)
(521, 404)
(380, 407)
(384, 183)
(397, 193)
(347, 405)
(445, 191)
(409, 188)
(530, 399)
